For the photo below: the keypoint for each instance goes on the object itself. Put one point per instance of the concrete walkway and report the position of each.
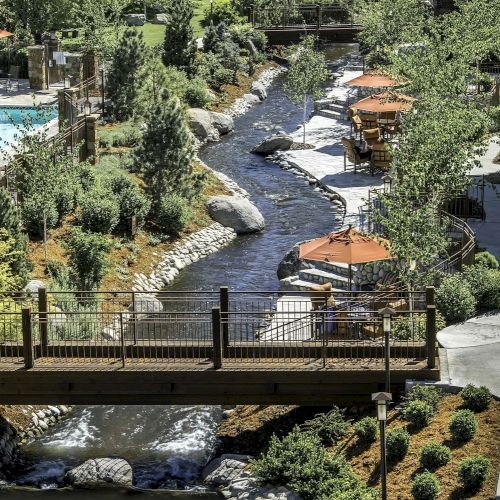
(472, 350)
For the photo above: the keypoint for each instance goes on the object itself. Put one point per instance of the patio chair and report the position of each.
(13, 76)
(368, 121)
(356, 125)
(352, 154)
(381, 157)
(371, 136)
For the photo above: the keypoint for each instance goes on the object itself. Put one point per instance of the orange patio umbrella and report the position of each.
(384, 102)
(373, 81)
(348, 246)
(5, 34)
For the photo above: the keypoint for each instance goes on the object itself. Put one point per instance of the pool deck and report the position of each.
(26, 97)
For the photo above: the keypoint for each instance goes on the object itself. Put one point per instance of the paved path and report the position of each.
(473, 352)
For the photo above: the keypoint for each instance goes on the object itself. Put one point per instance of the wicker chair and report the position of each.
(368, 121)
(381, 157)
(371, 136)
(356, 125)
(351, 154)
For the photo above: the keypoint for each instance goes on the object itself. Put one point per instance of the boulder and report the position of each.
(221, 122)
(251, 99)
(237, 213)
(98, 472)
(223, 470)
(272, 144)
(290, 264)
(252, 49)
(160, 18)
(135, 19)
(33, 286)
(145, 304)
(200, 122)
(259, 90)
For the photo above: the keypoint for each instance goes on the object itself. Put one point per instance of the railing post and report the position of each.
(123, 354)
(217, 338)
(42, 319)
(224, 316)
(27, 338)
(133, 317)
(430, 327)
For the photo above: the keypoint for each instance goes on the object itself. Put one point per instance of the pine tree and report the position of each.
(11, 221)
(166, 153)
(125, 75)
(180, 45)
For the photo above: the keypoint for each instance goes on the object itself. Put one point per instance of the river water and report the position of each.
(168, 445)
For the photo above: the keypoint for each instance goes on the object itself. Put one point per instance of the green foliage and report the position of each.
(425, 486)
(484, 284)
(398, 441)
(244, 33)
(473, 472)
(126, 75)
(426, 393)
(454, 299)
(300, 462)
(172, 213)
(88, 259)
(434, 455)
(166, 154)
(211, 69)
(222, 12)
(366, 430)
(99, 211)
(476, 398)
(39, 213)
(9, 254)
(11, 324)
(197, 94)
(329, 427)
(179, 48)
(414, 327)
(463, 425)
(126, 134)
(418, 413)
(486, 259)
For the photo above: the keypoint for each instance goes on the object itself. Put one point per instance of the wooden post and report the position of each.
(27, 339)
(224, 316)
(217, 338)
(42, 319)
(430, 327)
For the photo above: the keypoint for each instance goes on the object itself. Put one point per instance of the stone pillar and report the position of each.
(55, 71)
(92, 139)
(37, 67)
(74, 68)
(91, 70)
(67, 101)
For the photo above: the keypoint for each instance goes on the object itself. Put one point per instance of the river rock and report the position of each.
(200, 122)
(237, 213)
(290, 264)
(259, 90)
(33, 286)
(252, 49)
(251, 99)
(98, 472)
(272, 144)
(223, 470)
(221, 122)
(135, 19)
(145, 304)
(160, 19)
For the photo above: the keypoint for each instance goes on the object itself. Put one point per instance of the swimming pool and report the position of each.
(13, 119)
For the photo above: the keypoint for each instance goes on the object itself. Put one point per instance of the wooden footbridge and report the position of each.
(288, 24)
(211, 347)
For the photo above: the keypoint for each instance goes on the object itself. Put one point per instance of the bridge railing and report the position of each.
(223, 328)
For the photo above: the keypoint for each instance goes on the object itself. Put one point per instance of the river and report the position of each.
(168, 445)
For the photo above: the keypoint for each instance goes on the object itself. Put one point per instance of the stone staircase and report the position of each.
(318, 273)
(335, 108)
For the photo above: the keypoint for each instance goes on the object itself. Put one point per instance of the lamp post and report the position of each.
(211, 11)
(102, 90)
(387, 179)
(381, 399)
(387, 313)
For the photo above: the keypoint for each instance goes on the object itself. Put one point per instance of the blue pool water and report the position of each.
(14, 120)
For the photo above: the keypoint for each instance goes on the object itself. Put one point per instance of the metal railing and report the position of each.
(223, 328)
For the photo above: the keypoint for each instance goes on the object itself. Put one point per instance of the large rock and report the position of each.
(160, 19)
(290, 264)
(237, 213)
(33, 286)
(98, 472)
(145, 304)
(200, 122)
(223, 470)
(272, 144)
(252, 49)
(135, 19)
(221, 122)
(259, 90)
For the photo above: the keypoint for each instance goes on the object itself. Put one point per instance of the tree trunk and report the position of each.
(304, 118)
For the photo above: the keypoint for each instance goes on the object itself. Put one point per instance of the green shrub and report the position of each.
(211, 69)
(463, 425)
(173, 213)
(57, 270)
(425, 486)
(243, 33)
(486, 259)
(454, 299)
(34, 210)
(418, 413)
(474, 472)
(484, 284)
(427, 393)
(125, 134)
(99, 211)
(402, 327)
(88, 259)
(197, 94)
(11, 326)
(221, 12)
(329, 427)
(366, 429)
(434, 455)
(398, 441)
(476, 398)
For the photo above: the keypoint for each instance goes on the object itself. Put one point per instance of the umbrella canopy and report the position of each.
(5, 34)
(371, 80)
(348, 246)
(384, 103)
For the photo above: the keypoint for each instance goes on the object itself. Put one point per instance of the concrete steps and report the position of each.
(295, 284)
(320, 277)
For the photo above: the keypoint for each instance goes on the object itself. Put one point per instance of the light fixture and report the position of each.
(381, 399)
(87, 108)
(387, 179)
(381, 411)
(67, 82)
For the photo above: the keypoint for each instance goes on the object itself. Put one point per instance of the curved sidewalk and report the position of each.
(473, 352)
